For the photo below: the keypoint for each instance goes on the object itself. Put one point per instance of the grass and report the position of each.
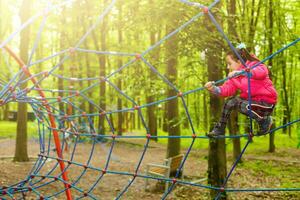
(259, 144)
(287, 173)
(8, 129)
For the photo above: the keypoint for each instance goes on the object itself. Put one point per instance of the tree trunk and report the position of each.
(21, 154)
(164, 118)
(102, 63)
(205, 113)
(231, 8)
(62, 44)
(286, 111)
(138, 118)
(270, 42)
(120, 63)
(152, 119)
(5, 112)
(217, 152)
(89, 73)
(253, 23)
(173, 148)
(234, 129)
(91, 109)
(233, 121)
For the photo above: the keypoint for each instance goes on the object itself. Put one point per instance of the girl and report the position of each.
(263, 93)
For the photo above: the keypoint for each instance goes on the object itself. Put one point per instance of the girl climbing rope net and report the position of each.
(263, 94)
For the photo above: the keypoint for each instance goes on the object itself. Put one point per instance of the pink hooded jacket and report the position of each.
(262, 89)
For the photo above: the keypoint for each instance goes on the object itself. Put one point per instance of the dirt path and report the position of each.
(125, 157)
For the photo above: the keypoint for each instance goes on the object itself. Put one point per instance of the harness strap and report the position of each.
(260, 110)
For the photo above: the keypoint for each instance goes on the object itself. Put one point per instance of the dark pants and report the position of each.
(259, 110)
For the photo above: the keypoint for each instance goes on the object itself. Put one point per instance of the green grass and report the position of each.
(259, 144)
(286, 172)
(8, 129)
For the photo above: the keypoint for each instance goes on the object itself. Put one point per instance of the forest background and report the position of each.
(188, 59)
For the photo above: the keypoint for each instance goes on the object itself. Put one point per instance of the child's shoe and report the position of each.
(219, 129)
(265, 126)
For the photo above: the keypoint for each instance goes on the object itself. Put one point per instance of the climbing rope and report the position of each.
(51, 121)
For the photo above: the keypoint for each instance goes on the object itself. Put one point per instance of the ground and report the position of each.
(258, 170)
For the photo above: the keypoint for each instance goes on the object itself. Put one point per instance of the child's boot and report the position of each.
(219, 129)
(265, 125)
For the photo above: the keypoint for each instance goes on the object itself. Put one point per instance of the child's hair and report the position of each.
(245, 55)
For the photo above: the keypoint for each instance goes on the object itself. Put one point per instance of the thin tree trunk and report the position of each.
(231, 7)
(152, 119)
(253, 23)
(5, 114)
(233, 121)
(21, 154)
(89, 73)
(165, 116)
(102, 66)
(62, 44)
(286, 111)
(205, 113)
(120, 63)
(173, 148)
(270, 42)
(217, 152)
(234, 129)
(138, 118)
(284, 92)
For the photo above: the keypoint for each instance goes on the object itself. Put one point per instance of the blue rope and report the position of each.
(37, 39)
(34, 180)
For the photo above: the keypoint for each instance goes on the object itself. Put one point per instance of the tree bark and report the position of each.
(120, 63)
(217, 152)
(173, 148)
(152, 119)
(21, 154)
(234, 129)
(286, 111)
(233, 121)
(253, 23)
(62, 44)
(5, 112)
(164, 118)
(102, 66)
(89, 73)
(270, 42)
(231, 8)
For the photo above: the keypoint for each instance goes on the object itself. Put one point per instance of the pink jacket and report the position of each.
(262, 88)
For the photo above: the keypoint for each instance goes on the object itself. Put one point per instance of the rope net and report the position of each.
(57, 174)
